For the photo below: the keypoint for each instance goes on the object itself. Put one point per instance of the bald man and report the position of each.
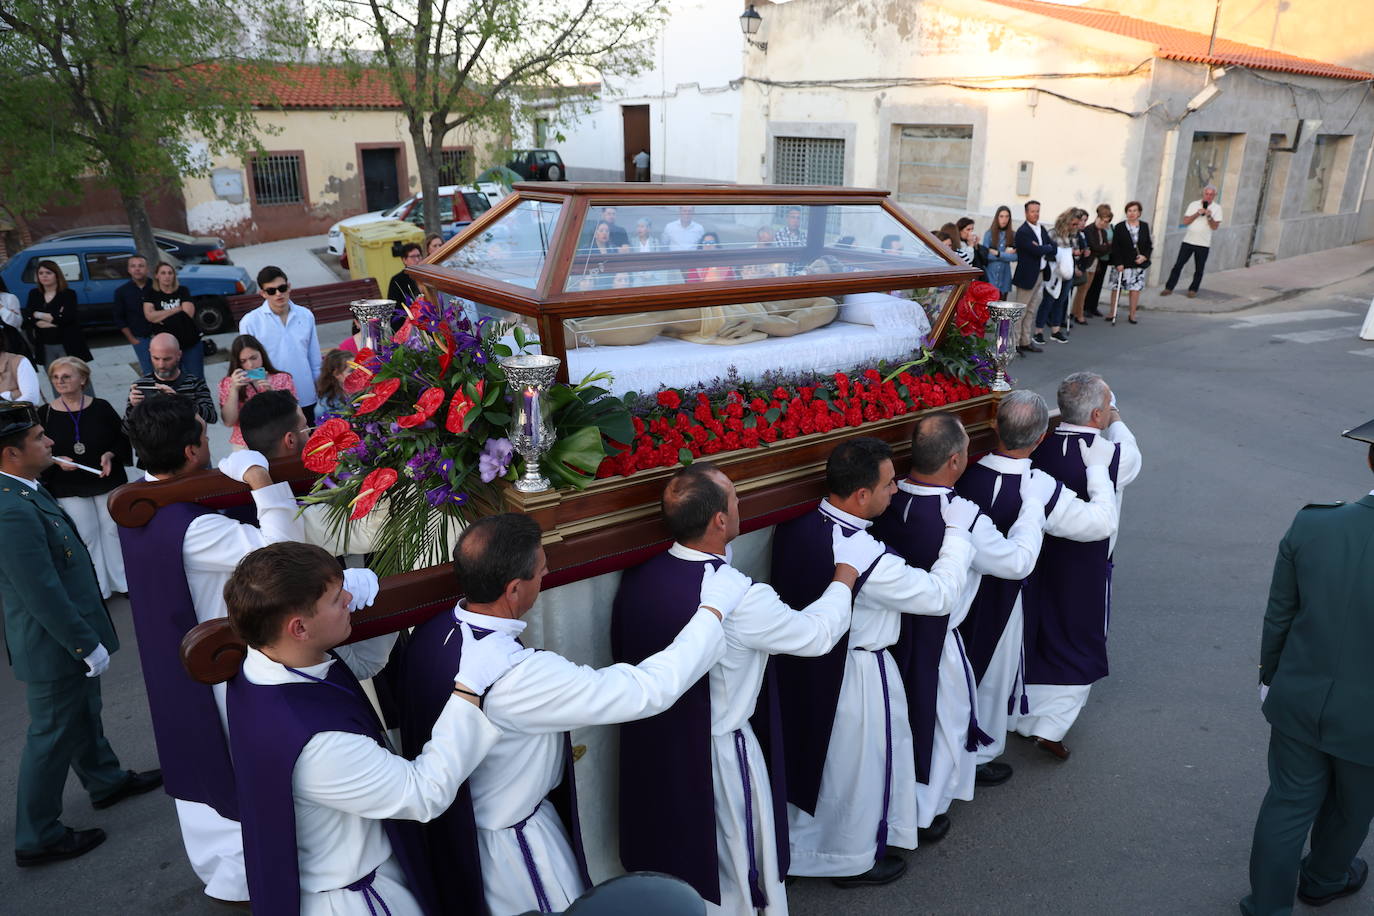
(167, 378)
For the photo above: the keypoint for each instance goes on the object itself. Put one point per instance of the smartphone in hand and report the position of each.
(256, 375)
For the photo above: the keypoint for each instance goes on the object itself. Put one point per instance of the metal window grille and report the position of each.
(933, 163)
(455, 166)
(277, 179)
(808, 160)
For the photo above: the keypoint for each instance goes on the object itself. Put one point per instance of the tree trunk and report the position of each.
(142, 228)
(427, 156)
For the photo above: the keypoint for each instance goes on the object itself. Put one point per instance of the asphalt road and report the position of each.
(1238, 417)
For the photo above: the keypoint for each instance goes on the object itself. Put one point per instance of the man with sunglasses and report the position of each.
(60, 639)
(287, 330)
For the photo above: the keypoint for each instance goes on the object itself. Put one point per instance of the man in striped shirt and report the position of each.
(167, 378)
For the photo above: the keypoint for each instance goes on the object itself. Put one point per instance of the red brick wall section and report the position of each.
(100, 205)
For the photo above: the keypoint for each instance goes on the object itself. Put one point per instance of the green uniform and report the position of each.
(1317, 656)
(54, 619)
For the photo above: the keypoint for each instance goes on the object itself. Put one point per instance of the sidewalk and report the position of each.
(295, 256)
(1247, 287)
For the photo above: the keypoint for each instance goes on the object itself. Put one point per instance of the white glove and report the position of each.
(723, 588)
(98, 661)
(960, 514)
(1037, 487)
(236, 464)
(1099, 454)
(363, 585)
(1264, 692)
(1113, 401)
(486, 659)
(859, 550)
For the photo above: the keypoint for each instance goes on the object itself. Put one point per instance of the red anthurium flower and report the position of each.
(429, 401)
(374, 485)
(380, 394)
(403, 332)
(457, 411)
(357, 380)
(322, 451)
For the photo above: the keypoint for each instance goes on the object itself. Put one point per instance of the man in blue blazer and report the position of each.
(59, 637)
(1033, 246)
(1316, 684)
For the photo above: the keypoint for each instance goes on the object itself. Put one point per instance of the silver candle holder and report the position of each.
(1006, 314)
(374, 318)
(531, 431)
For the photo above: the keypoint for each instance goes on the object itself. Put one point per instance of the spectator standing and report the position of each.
(433, 242)
(641, 164)
(168, 377)
(791, 235)
(87, 431)
(128, 311)
(1000, 243)
(686, 233)
(1131, 248)
(969, 247)
(60, 639)
(167, 305)
(403, 289)
(18, 380)
(250, 372)
(1099, 238)
(287, 330)
(53, 317)
(12, 324)
(619, 237)
(1034, 253)
(1084, 264)
(333, 399)
(1202, 217)
(1054, 303)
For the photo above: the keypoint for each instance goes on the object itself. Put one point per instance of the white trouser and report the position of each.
(101, 537)
(215, 847)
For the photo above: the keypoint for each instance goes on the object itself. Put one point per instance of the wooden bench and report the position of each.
(329, 301)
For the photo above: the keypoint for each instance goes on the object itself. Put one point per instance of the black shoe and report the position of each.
(992, 773)
(886, 870)
(1020, 349)
(1093, 313)
(1039, 338)
(936, 831)
(136, 784)
(1034, 348)
(1355, 879)
(75, 843)
(1060, 336)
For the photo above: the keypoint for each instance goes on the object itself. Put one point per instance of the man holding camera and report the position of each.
(167, 378)
(1202, 217)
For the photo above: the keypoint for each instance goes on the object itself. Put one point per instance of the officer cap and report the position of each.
(1362, 433)
(16, 417)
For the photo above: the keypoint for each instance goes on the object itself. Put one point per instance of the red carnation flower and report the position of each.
(669, 399)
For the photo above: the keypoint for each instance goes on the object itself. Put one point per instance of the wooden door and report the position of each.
(636, 134)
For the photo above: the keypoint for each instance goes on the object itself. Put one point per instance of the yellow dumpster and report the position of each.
(374, 249)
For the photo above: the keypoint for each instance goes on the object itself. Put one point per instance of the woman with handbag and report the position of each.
(167, 304)
(1058, 287)
(1131, 250)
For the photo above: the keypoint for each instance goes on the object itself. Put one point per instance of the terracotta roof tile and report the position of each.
(1181, 44)
(317, 86)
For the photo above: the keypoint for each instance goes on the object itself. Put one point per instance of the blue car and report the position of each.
(95, 268)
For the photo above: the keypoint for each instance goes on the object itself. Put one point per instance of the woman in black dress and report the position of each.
(52, 316)
(86, 431)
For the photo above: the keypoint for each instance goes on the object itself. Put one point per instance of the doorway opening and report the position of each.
(635, 119)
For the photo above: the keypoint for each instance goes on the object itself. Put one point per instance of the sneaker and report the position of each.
(1039, 338)
(1060, 336)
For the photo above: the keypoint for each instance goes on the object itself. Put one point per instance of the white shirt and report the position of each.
(345, 784)
(1127, 468)
(31, 483)
(27, 379)
(762, 624)
(1199, 230)
(640, 159)
(545, 695)
(293, 346)
(677, 237)
(1071, 517)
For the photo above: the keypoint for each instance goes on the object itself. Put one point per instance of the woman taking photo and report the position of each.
(53, 317)
(250, 372)
(1131, 249)
(86, 431)
(1000, 243)
(167, 304)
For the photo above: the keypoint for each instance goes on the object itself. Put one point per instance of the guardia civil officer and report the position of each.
(1315, 683)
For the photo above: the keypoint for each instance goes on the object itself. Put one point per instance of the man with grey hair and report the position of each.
(993, 631)
(1067, 599)
(1202, 217)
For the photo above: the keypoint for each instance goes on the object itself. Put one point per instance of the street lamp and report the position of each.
(749, 23)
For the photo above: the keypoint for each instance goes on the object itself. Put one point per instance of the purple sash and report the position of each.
(269, 726)
(191, 746)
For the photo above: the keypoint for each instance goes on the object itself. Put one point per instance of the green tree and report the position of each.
(137, 93)
(472, 63)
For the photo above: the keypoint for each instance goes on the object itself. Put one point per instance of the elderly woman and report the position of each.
(1131, 250)
(86, 431)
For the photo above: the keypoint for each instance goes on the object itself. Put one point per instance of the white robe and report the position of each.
(534, 704)
(346, 784)
(1055, 707)
(841, 838)
(211, 550)
(1070, 518)
(762, 625)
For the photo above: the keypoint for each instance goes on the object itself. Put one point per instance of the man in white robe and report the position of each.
(528, 859)
(319, 749)
(736, 866)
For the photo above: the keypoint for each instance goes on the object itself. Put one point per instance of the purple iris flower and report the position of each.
(495, 459)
